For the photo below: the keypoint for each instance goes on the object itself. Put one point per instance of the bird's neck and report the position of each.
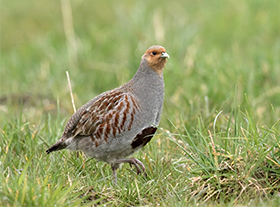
(146, 77)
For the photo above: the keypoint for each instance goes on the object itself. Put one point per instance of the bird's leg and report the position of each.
(135, 162)
(114, 167)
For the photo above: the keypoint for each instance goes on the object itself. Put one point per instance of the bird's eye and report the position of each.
(154, 53)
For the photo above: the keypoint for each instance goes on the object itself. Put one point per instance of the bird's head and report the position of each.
(156, 58)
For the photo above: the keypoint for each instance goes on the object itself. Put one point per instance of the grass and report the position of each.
(219, 137)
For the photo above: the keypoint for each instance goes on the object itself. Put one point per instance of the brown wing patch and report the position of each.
(96, 143)
(112, 114)
(135, 103)
(132, 119)
(116, 123)
(92, 138)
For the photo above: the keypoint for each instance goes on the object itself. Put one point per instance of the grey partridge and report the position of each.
(117, 123)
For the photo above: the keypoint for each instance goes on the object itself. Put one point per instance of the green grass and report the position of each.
(219, 137)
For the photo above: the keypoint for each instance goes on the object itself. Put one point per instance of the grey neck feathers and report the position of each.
(147, 84)
(146, 77)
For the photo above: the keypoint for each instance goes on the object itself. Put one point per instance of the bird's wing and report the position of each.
(111, 114)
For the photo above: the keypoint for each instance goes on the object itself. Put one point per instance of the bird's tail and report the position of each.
(59, 145)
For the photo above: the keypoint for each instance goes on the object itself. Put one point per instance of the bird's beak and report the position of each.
(164, 55)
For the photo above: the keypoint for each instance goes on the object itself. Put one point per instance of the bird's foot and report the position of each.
(114, 169)
(136, 163)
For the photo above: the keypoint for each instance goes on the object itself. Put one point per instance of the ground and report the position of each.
(218, 143)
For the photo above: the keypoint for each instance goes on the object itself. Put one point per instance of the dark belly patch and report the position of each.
(144, 137)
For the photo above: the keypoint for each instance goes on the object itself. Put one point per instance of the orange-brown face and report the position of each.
(156, 57)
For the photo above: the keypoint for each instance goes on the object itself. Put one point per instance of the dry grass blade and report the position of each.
(70, 89)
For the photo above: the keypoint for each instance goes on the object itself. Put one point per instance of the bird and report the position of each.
(115, 124)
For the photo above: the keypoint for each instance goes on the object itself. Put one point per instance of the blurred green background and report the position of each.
(225, 56)
(219, 50)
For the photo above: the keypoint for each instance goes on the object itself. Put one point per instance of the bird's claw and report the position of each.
(136, 163)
